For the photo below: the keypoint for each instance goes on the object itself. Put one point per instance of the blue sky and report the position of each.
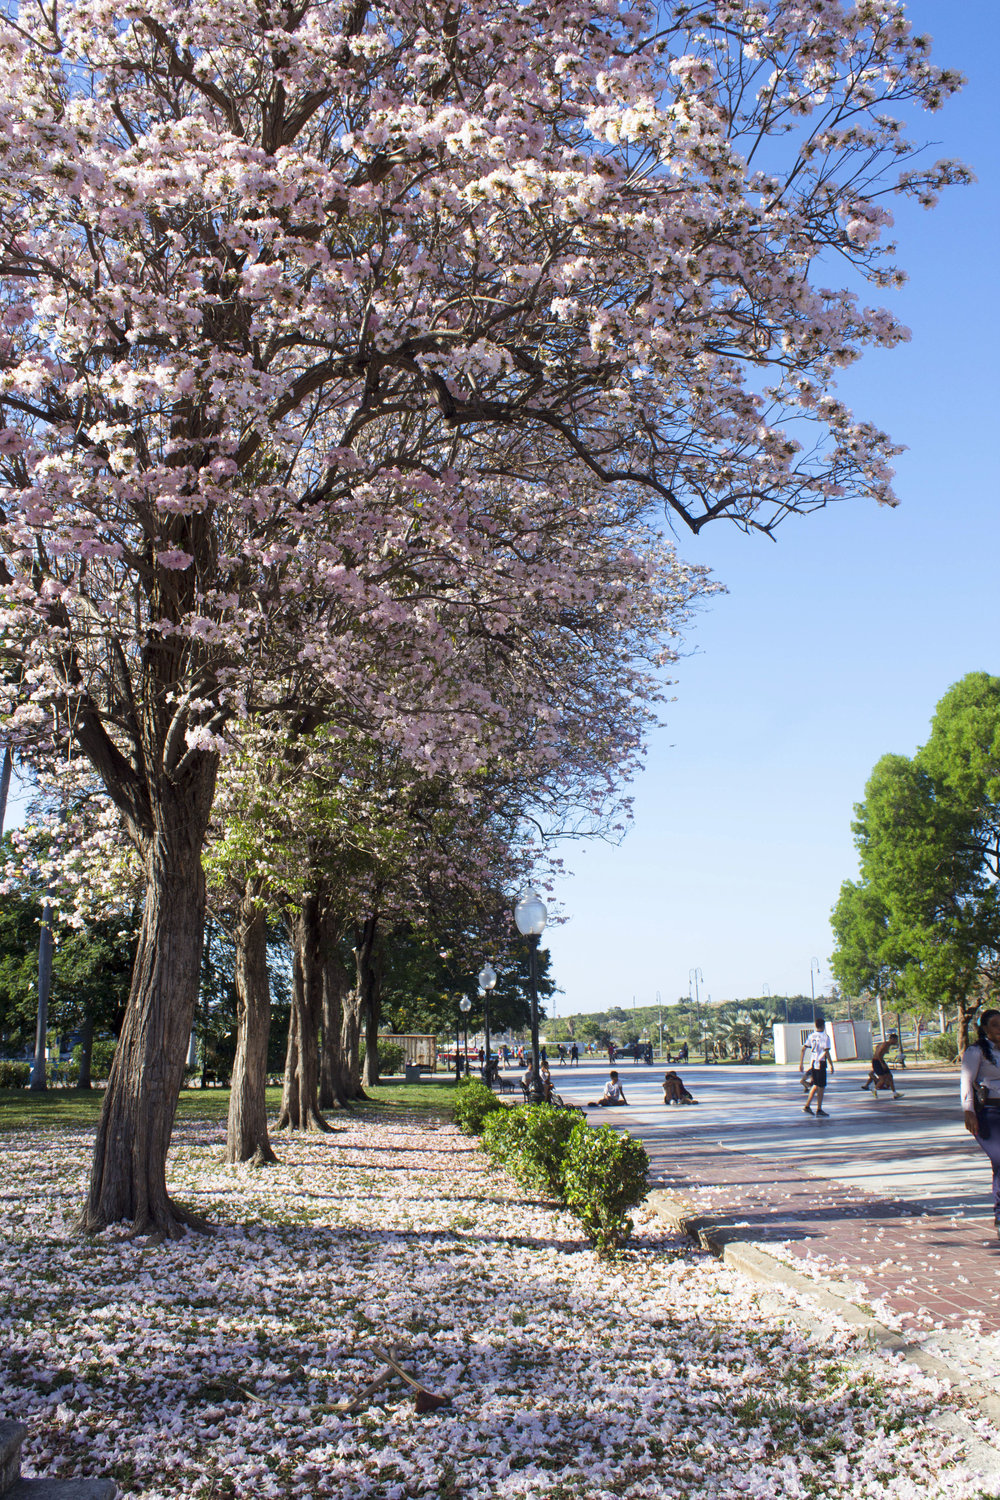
(833, 644)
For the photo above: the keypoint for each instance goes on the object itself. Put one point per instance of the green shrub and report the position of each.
(944, 1046)
(15, 1075)
(530, 1142)
(102, 1054)
(391, 1058)
(605, 1174)
(545, 1142)
(473, 1102)
(503, 1135)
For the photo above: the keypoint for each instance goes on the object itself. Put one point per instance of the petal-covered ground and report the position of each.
(212, 1366)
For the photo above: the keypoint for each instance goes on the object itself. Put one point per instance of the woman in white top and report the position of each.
(981, 1075)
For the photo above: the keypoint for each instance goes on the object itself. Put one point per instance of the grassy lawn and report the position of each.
(67, 1108)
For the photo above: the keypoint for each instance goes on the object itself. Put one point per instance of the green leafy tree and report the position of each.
(91, 973)
(925, 916)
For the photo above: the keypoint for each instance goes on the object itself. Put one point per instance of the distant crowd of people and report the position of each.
(980, 1085)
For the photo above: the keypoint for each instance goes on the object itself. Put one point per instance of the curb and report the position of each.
(747, 1257)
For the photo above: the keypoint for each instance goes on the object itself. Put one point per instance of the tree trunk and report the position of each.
(370, 995)
(350, 1045)
(246, 1133)
(881, 1016)
(128, 1177)
(86, 1052)
(300, 1101)
(335, 1085)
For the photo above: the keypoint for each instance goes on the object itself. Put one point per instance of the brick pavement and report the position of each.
(929, 1266)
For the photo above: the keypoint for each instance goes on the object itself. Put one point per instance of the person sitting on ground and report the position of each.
(674, 1091)
(880, 1073)
(613, 1094)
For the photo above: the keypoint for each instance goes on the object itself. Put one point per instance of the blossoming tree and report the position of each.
(284, 285)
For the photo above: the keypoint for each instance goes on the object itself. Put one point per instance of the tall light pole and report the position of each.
(813, 971)
(530, 916)
(37, 1078)
(465, 1005)
(487, 982)
(694, 977)
(659, 1006)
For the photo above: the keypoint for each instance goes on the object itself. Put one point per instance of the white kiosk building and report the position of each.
(850, 1041)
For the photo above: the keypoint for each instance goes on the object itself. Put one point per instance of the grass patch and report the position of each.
(438, 1096)
(66, 1109)
(62, 1109)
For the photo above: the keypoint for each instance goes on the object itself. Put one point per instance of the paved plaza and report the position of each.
(891, 1197)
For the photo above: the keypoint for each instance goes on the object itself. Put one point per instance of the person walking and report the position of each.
(574, 1056)
(981, 1096)
(880, 1074)
(818, 1045)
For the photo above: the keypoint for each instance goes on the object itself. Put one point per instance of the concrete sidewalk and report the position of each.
(884, 1206)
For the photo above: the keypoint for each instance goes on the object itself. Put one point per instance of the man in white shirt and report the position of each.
(818, 1046)
(613, 1094)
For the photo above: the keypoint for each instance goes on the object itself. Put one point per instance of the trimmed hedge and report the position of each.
(597, 1173)
(944, 1046)
(391, 1058)
(544, 1145)
(15, 1075)
(605, 1175)
(474, 1100)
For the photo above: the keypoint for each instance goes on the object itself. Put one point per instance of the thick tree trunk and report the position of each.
(86, 1053)
(370, 995)
(246, 1133)
(335, 1087)
(128, 1178)
(300, 1100)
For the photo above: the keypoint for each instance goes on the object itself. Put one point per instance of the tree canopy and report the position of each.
(925, 915)
(350, 356)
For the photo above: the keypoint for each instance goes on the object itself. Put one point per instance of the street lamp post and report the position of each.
(487, 982)
(694, 977)
(813, 971)
(37, 1079)
(465, 1005)
(530, 917)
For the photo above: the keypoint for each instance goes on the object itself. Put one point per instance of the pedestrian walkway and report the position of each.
(889, 1197)
(927, 1266)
